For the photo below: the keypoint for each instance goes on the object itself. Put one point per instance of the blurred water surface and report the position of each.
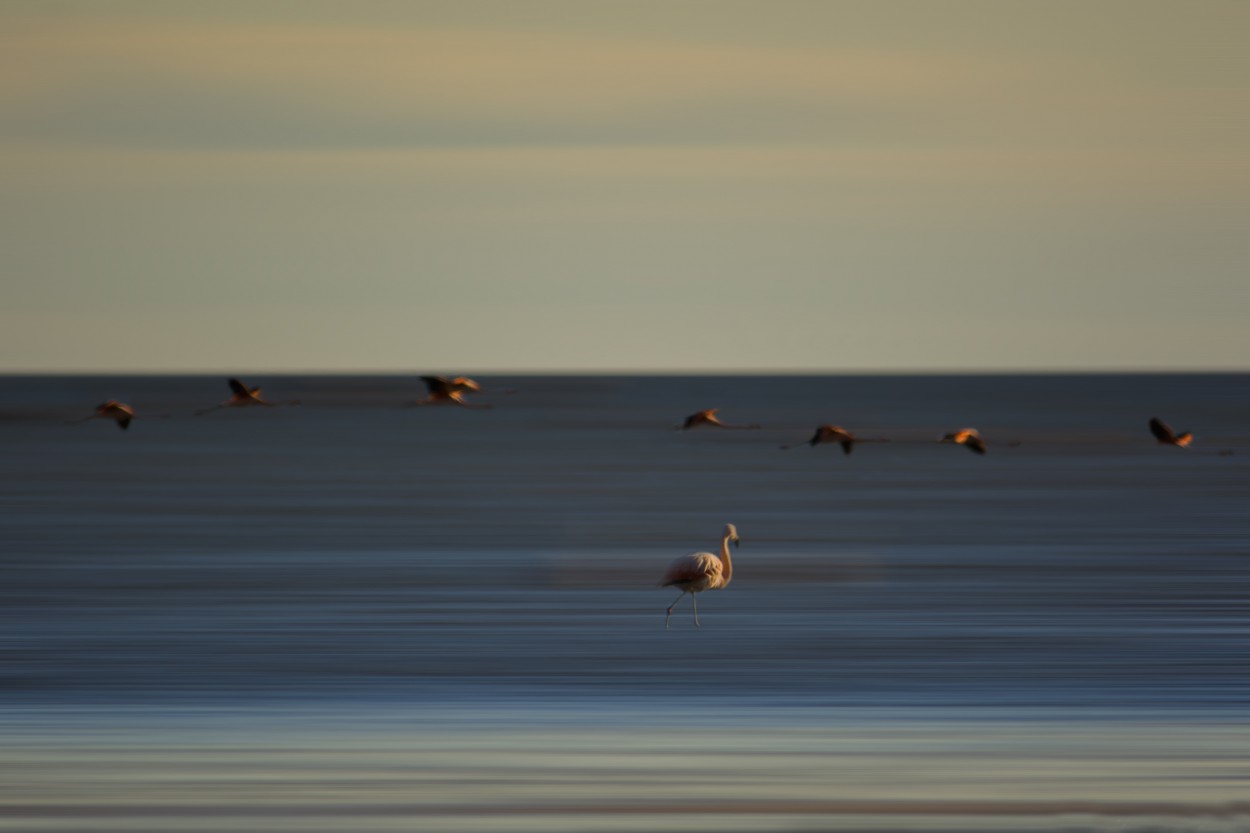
(422, 607)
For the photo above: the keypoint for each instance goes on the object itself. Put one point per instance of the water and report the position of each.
(352, 615)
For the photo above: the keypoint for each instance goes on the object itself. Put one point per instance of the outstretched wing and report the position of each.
(437, 384)
(1161, 431)
(238, 388)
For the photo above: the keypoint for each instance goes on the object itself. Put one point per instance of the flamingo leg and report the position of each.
(669, 614)
(696, 610)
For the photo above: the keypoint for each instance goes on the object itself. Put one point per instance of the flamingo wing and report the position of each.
(238, 388)
(437, 384)
(1161, 431)
(975, 443)
(700, 568)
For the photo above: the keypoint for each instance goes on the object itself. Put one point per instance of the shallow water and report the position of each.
(404, 613)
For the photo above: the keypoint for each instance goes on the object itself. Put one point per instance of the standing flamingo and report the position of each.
(968, 438)
(114, 410)
(708, 417)
(1166, 436)
(700, 571)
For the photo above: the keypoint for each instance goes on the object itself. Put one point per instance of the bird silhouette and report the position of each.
(968, 438)
(831, 434)
(1166, 436)
(708, 417)
(838, 434)
(445, 391)
(114, 410)
(700, 571)
(241, 396)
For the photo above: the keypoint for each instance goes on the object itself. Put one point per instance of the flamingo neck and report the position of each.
(724, 559)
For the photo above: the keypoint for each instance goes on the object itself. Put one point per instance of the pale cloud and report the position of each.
(152, 84)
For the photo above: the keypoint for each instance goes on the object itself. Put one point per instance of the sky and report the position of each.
(654, 185)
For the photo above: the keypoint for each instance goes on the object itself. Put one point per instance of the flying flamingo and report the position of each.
(968, 438)
(838, 434)
(708, 417)
(241, 396)
(834, 434)
(444, 391)
(700, 571)
(114, 410)
(1166, 436)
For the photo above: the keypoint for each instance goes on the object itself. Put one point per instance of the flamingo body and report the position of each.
(695, 573)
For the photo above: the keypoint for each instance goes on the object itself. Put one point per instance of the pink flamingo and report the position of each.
(1166, 436)
(114, 410)
(968, 438)
(700, 571)
(241, 396)
(444, 391)
(838, 434)
(708, 417)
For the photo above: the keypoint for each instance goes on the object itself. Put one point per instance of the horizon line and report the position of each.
(1056, 371)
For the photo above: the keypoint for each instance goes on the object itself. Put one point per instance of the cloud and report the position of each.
(172, 84)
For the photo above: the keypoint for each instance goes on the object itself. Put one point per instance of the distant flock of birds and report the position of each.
(442, 390)
(967, 437)
(691, 574)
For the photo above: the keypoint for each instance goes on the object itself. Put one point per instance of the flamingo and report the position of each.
(114, 410)
(708, 417)
(700, 571)
(968, 438)
(445, 391)
(835, 434)
(1166, 436)
(240, 396)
